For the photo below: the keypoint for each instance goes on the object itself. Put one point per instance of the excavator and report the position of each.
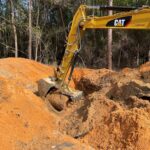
(125, 18)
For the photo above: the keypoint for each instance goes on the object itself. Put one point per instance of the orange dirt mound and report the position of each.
(24, 72)
(113, 114)
(25, 120)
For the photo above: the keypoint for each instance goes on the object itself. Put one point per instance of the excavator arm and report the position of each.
(132, 18)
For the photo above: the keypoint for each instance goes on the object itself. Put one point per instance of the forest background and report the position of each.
(37, 29)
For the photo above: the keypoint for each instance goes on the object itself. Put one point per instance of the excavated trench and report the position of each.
(109, 112)
(75, 118)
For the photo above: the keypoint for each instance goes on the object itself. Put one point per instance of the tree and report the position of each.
(149, 55)
(37, 37)
(109, 44)
(30, 30)
(14, 27)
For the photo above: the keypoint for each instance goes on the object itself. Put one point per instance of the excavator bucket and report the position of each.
(49, 86)
(45, 85)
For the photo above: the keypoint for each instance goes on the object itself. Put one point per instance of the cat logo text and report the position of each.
(119, 23)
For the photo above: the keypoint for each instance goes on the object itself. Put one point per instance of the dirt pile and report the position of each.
(25, 120)
(117, 126)
(24, 72)
(113, 114)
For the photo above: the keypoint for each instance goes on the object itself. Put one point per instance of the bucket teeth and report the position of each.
(73, 94)
(77, 96)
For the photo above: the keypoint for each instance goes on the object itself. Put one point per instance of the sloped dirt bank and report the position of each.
(25, 120)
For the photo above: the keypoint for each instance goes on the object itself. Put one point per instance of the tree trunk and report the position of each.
(109, 46)
(138, 58)
(138, 55)
(149, 55)
(30, 30)
(36, 49)
(37, 37)
(14, 28)
(119, 58)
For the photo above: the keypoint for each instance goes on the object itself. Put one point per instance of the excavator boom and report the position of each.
(134, 19)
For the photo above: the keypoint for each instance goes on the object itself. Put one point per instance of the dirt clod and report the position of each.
(57, 100)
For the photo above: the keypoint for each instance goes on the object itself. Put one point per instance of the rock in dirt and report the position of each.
(137, 88)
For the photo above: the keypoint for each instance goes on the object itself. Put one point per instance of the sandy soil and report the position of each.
(114, 113)
(25, 120)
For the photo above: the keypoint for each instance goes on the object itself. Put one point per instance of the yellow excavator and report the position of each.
(128, 18)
